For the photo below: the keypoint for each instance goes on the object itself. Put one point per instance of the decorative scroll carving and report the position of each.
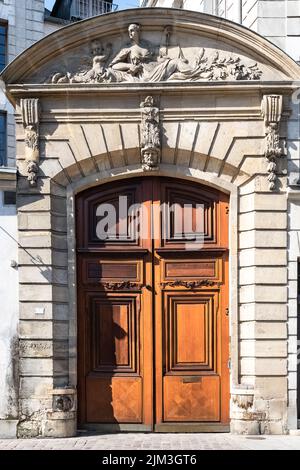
(125, 285)
(272, 112)
(191, 284)
(142, 61)
(31, 115)
(150, 135)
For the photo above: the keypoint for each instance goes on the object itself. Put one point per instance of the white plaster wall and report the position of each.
(8, 314)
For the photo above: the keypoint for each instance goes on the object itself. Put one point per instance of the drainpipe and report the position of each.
(149, 3)
(240, 12)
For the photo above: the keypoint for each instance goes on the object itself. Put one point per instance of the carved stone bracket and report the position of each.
(192, 284)
(272, 112)
(150, 135)
(31, 116)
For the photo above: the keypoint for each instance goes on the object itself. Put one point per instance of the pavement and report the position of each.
(159, 442)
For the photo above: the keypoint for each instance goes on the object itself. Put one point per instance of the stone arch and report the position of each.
(70, 190)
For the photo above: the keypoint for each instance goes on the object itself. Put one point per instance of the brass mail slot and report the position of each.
(191, 380)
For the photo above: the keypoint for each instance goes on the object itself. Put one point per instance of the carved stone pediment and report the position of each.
(156, 45)
(142, 61)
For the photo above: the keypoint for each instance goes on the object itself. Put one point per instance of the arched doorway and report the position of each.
(153, 334)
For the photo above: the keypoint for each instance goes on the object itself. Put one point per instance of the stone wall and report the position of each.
(25, 20)
(217, 151)
(293, 255)
(263, 298)
(276, 20)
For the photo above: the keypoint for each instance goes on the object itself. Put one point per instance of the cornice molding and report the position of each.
(8, 179)
(285, 87)
(8, 174)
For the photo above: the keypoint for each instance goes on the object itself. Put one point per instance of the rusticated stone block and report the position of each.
(245, 427)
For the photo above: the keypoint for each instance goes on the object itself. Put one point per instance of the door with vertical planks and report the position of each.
(153, 343)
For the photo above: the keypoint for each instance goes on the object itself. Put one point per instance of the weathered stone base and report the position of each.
(61, 427)
(8, 428)
(251, 416)
(58, 420)
(241, 427)
(51, 426)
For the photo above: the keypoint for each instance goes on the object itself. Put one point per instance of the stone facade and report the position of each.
(222, 133)
(25, 25)
(276, 20)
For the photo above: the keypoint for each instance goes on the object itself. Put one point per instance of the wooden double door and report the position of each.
(153, 345)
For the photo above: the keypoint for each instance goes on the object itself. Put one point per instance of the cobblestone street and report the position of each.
(157, 442)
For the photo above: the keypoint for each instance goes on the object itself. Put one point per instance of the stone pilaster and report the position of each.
(259, 405)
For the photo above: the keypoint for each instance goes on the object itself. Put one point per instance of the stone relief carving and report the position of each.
(99, 55)
(150, 135)
(31, 115)
(142, 61)
(272, 112)
(63, 403)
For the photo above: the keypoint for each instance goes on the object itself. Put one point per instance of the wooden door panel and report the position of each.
(113, 385)
(190, 324)
(113, 334)
(189, 269)
(193, 268)
(114, 400)
(93, 233)
(97, 271)
(190, 332)
(191, 399)
(201, 218)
